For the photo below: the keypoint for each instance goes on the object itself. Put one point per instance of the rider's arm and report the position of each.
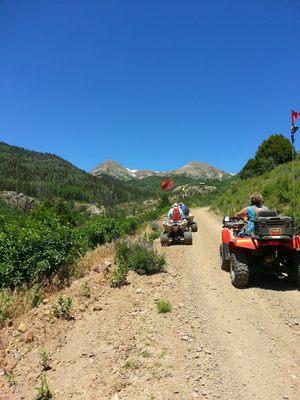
(170, 214)
(242, 214)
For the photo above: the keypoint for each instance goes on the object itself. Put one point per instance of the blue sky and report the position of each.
(151, 84)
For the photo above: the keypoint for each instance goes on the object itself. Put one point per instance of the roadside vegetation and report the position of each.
(139, 256)
(48, 241)
(46, 244)
(275, 186)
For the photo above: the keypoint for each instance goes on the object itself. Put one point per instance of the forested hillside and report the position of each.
(44, 175)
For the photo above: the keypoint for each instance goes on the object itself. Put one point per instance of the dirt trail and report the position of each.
(217, 343)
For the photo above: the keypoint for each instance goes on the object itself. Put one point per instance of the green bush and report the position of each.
(35, 249)
(139, 256)
(153, 235)
(61, 309)
(100, 230)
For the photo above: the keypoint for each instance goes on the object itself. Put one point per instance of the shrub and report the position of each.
(129, 225)
(37, 248)
(153, 235)
(11, 380)
(61, 309)
(44, 359)
(43, 390)
(154, 225)
(139, 256)
(85, 290)
(163, 306)
(34, 295)
(100, 230)
(119, 275)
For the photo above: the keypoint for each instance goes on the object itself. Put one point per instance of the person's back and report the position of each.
(249, 213)
(175, 213)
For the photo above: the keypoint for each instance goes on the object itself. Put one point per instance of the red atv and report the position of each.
(272, 248)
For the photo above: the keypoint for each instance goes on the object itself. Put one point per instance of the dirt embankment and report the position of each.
(217, 343)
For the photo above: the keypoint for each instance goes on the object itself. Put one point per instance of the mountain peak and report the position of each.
(193, 169)
(199, 170)
(114, 169)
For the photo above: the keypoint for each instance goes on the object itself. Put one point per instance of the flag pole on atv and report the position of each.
(294, 116)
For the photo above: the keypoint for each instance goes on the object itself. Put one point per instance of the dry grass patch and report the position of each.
(94, 259)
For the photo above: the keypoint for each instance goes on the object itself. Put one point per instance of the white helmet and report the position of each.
(175, 205)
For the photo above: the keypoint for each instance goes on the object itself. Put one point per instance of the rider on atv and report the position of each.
(175, 213)
(184, 209)
(249, 214)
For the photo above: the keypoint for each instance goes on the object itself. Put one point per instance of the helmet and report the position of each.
(175, 205)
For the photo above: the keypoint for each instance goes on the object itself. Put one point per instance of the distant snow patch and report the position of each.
(132, 171)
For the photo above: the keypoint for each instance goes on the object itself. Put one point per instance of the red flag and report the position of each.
(294, 115)
(170, 183)
(164, 185)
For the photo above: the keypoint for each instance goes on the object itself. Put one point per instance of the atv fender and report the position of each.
(245, 243)
(226, 235)
(254, 244)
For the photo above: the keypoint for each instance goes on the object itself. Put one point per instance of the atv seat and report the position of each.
(267, 213)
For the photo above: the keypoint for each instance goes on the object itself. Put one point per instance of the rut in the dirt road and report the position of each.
(217, 343)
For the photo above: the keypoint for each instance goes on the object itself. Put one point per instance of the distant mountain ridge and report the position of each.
(193, 169)
(117, 171)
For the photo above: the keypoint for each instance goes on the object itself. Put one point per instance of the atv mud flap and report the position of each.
(226, 252)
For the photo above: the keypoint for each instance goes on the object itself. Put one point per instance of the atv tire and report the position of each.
(239, 269)
(295, 269)
(164, 239)
(225, 264)
(194, 227)
(188, 238)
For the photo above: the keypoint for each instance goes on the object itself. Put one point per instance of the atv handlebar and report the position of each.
(233, 222)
